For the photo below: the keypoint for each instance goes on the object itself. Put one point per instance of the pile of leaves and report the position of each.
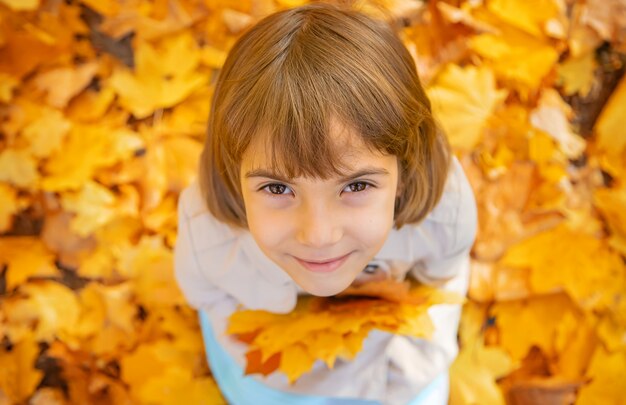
(103, 105)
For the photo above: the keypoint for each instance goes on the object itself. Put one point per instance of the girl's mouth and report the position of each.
(323, 266)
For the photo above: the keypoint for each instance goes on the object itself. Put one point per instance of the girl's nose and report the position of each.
(317, 228)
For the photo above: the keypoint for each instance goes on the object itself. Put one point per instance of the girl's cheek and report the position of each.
(270, 218)
(371, 223)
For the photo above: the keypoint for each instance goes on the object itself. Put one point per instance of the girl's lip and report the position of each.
(323, 266)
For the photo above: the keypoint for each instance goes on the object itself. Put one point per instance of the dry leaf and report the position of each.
(18, 375)
(462, 100)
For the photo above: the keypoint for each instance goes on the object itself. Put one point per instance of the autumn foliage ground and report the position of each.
(102, 112)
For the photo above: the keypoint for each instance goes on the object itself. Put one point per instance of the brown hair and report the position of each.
(293, 71)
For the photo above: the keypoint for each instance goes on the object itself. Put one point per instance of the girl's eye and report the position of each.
(356, 187)
(277, 189)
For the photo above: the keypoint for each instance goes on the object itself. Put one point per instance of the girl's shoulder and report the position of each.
(457, 203)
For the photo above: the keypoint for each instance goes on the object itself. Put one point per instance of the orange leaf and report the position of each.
(255, 363)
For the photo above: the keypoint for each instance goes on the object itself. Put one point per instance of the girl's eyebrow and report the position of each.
(266, 173)
(366, 171)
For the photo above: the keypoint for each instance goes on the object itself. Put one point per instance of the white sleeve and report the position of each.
(196, 287)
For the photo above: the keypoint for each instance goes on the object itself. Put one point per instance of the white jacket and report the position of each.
(220, 268)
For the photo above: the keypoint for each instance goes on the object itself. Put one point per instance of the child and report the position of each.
(323, 167)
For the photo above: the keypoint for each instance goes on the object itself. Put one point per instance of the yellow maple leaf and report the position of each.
(149, 266)
(18, 375)
(8, 206)
(290, 331)
(551, 117)
(153, 21)
(18, 168)
(21, 5)
(103, 307)
(295, 361)
(46, 132)
(150, 362)
(181, 157)
(177, 385)
(163, 77)
(540, 314)
(541, 148)
(46, 310)
(576, 74)
(462, 100)
(327, 344)
(565, 259)
(575, 342)
(606, 371)
(611, 203)
(120, 306)
(95, 206)
(529, 16)
(61, 84)
(104, 7)
(520, 59)
(474, 372)
(90, 105)
(163, 219)
(212, 57)
(610, 125)
(70, 248)
(489, 282)
(189, 118)
(106, 320)
(116, 236)
(179, 323)
(13, 60)
(8, 83)
(90, 147)
(25, 257)
(85, 378)
(92, 311)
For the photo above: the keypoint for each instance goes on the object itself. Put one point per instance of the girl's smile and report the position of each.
(323, 266)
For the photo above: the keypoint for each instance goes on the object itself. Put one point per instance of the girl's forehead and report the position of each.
(347, 144)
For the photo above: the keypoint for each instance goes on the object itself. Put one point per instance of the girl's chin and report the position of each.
(324, 288)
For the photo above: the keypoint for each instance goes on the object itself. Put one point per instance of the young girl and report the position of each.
(323, 167)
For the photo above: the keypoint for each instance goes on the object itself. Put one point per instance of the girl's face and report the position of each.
(321, 232)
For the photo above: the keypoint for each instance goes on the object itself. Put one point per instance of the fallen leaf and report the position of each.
(62, 84)
(462, 100)
(25, 257)
(18, 375)
(159, 80)
(19, 168)
(611, 122)
(8, 207)
(605, 386)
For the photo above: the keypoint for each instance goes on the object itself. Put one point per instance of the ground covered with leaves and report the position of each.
(103, 105)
